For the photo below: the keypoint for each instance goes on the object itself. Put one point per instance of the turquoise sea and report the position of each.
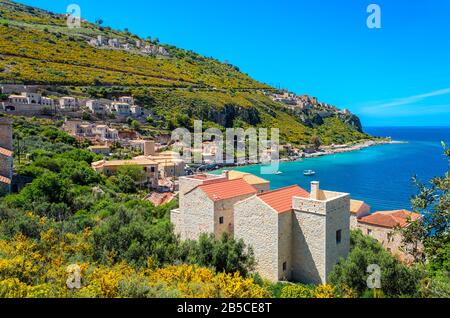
(380, 175)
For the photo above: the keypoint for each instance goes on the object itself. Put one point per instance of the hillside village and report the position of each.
(138, 45)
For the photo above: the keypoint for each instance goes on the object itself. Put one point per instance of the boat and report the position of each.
(278, 172)
(309, 173)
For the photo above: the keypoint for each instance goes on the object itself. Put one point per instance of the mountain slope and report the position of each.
(36, 47)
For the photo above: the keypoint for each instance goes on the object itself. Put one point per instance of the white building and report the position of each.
(120, 109)
(68, 103)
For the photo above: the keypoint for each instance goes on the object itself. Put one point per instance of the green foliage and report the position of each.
(224, 255)
(396, 278)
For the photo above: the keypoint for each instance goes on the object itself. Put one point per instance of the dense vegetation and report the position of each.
(125, 247)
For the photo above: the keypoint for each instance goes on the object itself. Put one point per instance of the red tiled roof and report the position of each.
(227, 189)
(281, 200)
(390, 219)
(5, 180)
(6, 152)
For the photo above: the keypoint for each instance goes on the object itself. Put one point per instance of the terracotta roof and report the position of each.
(281, 200)
(114, 163)
(390, 219)
(248, 177)
(356, 205)
(6, 152)
(227, 189)
(5, 180)
(159, 198)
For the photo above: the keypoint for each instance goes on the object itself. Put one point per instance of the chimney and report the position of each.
(315, 190)
(149, 148)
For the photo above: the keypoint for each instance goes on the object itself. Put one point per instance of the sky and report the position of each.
(397, 75)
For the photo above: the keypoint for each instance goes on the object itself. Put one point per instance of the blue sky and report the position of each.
(398, 75)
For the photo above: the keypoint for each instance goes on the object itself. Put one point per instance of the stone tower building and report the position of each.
(6, 155)
(295, 235)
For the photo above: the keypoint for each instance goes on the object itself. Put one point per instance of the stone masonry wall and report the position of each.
(285, 245)
(198, 215)
(337, 219)
(257, 224)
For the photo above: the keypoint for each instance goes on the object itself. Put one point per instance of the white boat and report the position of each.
(278, 172)
(309, 173)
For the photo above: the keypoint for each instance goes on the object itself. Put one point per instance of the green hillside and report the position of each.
(36, 47)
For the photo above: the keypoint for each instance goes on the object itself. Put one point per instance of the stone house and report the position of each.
(101, 150)
(207, 205)
(383, 226)
(27, 102)
(295, 235)
(170, 164)
(260, 184)
(68, 103)
(120, 109)
(127, 100)
(6, 155)
(358, 209)
(96, 106)
(109, 168)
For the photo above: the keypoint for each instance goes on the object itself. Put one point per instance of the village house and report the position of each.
(6, 156)
(81, 129)
(68, 103)
(295, 235)
(27, 102)
(206, 205)
(303, 236)
(126, 99)
(383, 226)
(120, 109)
(170, 164)
(109, 168)
(260, 184)
(358, 209)
(101, 150)
(96, 106)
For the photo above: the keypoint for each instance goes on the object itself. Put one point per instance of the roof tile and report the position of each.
(390, 219)
(227, 189)
(6, 152)
(281, 200)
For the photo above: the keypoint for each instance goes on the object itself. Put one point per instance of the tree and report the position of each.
(224, 255)
(433, 202)
(396, 278)
(135, 125)
(316, 142)
(99, 21)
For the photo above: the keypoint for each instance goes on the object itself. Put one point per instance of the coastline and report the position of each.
(325, 151)
(337, 149)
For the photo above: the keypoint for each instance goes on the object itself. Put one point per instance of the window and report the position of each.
(221, 220)
(338, 236)
(369, 232)
(152, 169)
(284, 266)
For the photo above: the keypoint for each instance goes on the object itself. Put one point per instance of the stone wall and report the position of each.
(389, 238)
(6, 134)
(315, 226)
(257, 224)
(197, 215)
(337, 220)
(285, 246)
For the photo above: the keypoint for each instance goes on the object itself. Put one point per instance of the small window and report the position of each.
(152, 169)
(338, 236)
(221, 220)
(369, 232)
(284, 266)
